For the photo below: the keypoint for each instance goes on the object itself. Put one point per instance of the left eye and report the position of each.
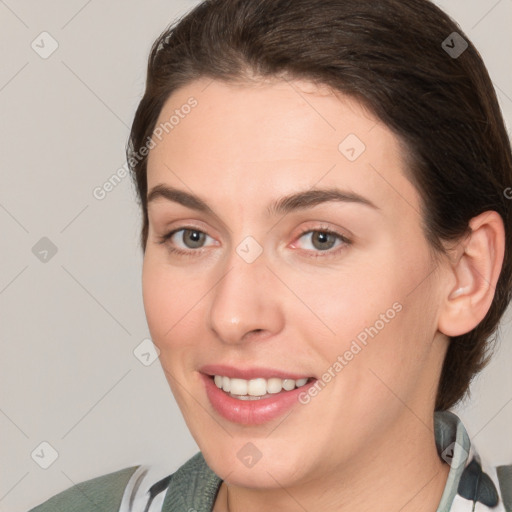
(322, 240)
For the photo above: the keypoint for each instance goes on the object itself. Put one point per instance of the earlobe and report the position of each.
(476, 271)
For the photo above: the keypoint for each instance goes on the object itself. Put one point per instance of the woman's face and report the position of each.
(335, 285)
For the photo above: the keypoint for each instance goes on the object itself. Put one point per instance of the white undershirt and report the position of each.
(136, 494)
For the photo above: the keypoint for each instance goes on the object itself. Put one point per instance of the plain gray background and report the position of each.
(69, 325)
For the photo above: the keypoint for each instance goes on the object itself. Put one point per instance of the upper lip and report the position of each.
(249, 373)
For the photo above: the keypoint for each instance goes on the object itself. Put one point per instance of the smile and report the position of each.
(253, 401)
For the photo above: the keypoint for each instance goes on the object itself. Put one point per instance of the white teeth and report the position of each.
(239, 386)
(274, 385)
(288, 384)
(226, 384)
(256, 387)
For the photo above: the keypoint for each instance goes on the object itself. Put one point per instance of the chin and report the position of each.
(255, 464)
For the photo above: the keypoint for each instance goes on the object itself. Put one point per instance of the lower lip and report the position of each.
(252, 412)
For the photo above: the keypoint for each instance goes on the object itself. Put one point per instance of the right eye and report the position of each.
(190, 238)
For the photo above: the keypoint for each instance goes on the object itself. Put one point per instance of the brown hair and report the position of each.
(396, 58)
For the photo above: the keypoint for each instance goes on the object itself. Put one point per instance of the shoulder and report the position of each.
(105, 491)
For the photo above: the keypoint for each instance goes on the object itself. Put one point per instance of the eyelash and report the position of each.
(196, 252)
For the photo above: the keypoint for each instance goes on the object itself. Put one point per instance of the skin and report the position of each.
(366, 441)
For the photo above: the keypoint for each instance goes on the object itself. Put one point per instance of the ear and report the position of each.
(475, 270)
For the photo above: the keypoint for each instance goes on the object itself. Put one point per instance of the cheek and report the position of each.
(158, 303)
(169, 299)
(355, 301)
(169, 307)
(371, 312)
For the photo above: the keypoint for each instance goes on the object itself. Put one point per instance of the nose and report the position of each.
(244, 302)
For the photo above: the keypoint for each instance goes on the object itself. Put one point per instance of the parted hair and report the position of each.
(403, 62)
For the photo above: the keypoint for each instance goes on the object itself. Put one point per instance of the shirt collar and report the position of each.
(453, 446)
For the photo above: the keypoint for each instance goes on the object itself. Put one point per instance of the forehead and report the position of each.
(254, 138)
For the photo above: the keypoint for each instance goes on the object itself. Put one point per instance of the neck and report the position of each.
(403, 472)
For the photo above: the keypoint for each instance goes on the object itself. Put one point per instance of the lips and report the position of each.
(250, 373)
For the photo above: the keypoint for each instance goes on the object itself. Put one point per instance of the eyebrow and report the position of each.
(283, 205)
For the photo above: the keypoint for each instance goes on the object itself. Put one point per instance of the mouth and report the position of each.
(254, 396)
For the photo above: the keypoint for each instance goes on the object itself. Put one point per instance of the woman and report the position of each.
(327, 251)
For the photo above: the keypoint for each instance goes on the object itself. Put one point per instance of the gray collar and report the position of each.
(453, 445)
(193, 487)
